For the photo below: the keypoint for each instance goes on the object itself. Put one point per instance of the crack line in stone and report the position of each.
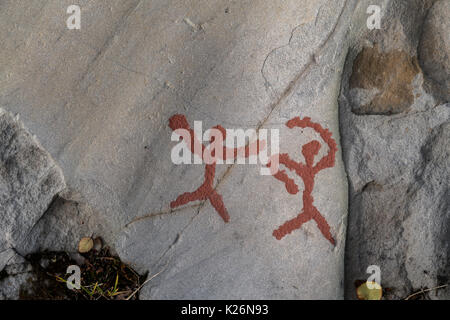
(160, 213)
(274, 105)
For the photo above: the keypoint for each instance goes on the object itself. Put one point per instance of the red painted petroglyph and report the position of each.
(206, 190)
(307, 173)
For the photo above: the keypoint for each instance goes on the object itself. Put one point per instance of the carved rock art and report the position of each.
(307, 173)
(206, 191)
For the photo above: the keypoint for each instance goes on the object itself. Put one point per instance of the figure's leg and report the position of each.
(202, 193)
(188, 197)
(323, 225)
(291, 225)
(217, 202)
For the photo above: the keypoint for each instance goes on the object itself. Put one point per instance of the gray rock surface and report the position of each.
(398, 171)
(65, 222)
(434, 49)
(36, 214)
(99, 99)
(15, 277)
(29, 180)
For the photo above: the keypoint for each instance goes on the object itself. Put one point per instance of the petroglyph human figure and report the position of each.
(307, 173)
(206, 191)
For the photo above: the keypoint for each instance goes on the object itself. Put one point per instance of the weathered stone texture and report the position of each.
(100, 99)
(397, 157)
(29, 181)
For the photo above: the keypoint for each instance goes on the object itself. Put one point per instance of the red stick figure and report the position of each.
(307, 173)
(206, 190)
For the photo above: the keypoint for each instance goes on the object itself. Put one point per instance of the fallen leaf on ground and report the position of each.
(85, 245)
(369, 290)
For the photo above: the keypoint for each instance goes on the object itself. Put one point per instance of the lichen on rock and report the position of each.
(388, 75)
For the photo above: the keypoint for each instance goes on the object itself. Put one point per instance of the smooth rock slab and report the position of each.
(100, 100)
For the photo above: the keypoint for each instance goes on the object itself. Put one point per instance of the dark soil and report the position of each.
(103, 277)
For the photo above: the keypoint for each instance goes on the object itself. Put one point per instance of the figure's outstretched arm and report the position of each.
(251, 149)
(289, 183)
(328, 160)
(291, 164)
(281, 175)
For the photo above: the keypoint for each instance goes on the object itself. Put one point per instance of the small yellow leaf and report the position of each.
(369, 291)
(85, 245)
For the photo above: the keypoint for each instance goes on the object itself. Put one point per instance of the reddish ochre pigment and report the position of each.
(206, 190)
(307, 173)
